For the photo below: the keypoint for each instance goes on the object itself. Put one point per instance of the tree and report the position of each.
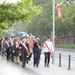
(67, 23)
(43, 23)
(21, 12)
(66, 27)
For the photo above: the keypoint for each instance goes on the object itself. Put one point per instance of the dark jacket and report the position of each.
(36, 48)
(23, 50)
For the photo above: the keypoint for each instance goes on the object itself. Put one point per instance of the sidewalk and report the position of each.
(9, 68)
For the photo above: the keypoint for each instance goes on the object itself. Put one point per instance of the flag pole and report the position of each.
(53, 30)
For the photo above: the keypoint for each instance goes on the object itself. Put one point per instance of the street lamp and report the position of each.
(53, 30)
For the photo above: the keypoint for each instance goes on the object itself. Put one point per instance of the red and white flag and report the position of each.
(59, 10)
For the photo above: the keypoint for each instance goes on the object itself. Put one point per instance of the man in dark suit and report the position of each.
(11, 42)
(7, 47)
(24, 50)
(36, 51)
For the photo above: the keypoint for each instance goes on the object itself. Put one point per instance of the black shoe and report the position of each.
(45, 65)
(27, 62)
(48, 65)
(23, 66)
(36, 65)
(7, 59)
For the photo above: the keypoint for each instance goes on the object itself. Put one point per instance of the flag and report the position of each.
(59, 10)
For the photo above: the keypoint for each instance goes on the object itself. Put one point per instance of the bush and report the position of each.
(69, 46)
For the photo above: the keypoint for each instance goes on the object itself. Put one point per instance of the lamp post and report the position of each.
(53, 30)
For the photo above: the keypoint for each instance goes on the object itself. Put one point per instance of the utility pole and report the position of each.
(53, 29)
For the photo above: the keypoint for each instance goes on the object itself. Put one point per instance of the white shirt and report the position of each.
(50, 45)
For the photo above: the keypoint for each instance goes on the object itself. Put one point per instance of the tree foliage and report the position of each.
(42, 25)
(21, 12)
(67, 24)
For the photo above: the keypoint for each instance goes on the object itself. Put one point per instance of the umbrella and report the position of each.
(22, 34)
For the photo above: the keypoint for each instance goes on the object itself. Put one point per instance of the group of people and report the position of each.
(22, 49)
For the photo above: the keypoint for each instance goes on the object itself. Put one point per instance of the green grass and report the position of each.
(68, 46)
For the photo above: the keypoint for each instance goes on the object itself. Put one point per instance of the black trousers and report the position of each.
(12, 53)
(47, 58)
(36, 59)
(24, 59)
(8, 53)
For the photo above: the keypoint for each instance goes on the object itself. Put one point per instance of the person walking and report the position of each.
(7, 47)
(36, 51)
(48, 49)
(11, 42)
(17, 51)
(24, 50)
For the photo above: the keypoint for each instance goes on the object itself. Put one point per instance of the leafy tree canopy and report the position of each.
(20, 12)
(43, 23)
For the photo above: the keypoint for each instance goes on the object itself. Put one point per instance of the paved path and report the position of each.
(9, 68)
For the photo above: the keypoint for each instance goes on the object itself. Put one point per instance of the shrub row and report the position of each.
(68, 46)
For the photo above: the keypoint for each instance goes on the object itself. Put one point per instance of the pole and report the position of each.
(59, 59)
(69, 63)
(53, 29)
